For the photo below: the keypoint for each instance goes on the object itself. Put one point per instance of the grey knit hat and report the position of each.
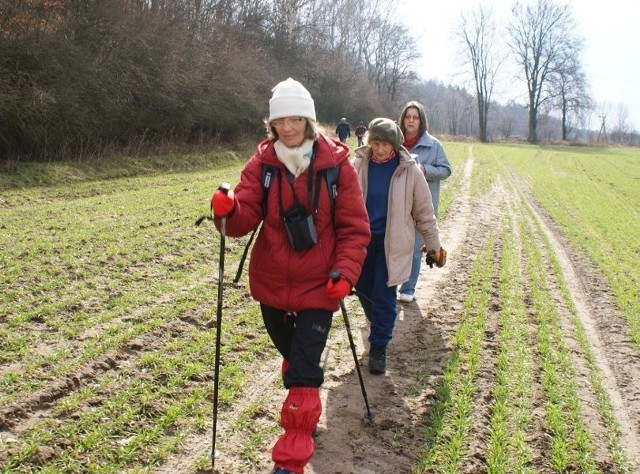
(386, 130)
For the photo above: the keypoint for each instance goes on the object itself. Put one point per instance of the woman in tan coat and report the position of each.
(398, 203)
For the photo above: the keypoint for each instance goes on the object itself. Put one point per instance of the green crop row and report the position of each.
(593, 196)
(531, 343)
(109, 287)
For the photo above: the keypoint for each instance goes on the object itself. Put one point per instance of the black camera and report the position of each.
(300, 227)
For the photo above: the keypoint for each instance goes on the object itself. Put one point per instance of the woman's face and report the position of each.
(411, 122)
(380, 149)
(290, 130)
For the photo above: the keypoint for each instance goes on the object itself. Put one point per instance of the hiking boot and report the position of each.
(405, 298)
(377, 361)
(279, 470)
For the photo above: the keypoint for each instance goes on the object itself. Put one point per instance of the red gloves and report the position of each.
(339, 288)
(222, 201)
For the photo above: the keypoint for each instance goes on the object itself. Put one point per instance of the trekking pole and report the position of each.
(223, 229)
(335, 274)
(361, 295)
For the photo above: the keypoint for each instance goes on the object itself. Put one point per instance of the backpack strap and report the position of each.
(268, 174)
(331, 177)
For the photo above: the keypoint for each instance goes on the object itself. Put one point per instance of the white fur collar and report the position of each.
(295, 159)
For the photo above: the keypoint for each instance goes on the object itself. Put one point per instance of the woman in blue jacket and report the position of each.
(433, 162)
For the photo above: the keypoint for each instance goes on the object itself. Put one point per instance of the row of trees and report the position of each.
(542, 42)
(77, 76)
(453, 111)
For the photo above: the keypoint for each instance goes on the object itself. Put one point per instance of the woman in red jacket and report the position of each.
(306, 234)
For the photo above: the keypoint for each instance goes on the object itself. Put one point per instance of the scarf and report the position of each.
(295, 159)
(409, 143)
(383, 160)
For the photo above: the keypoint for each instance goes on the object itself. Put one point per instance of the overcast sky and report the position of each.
(610, 56)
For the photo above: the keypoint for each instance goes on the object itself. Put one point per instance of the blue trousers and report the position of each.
(379, 301)
(409, 286)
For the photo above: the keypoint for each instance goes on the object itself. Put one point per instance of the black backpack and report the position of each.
(269, 173)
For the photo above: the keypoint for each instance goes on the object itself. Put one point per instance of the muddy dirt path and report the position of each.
(347, 443)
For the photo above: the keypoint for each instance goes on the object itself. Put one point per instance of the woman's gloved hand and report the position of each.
(338, 287)
(222, 201)
(435, 257)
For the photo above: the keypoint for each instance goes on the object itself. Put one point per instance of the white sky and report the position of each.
(610, 55)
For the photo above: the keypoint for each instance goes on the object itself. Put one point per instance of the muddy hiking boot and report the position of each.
(377, 360)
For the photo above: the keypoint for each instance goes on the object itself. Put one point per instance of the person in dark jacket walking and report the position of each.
(343, 130)
(361, 129)
(297, 297)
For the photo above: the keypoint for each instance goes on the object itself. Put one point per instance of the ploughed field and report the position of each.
(521, 355)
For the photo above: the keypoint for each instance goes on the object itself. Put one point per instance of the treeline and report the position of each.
(79, 76)
(85, 77)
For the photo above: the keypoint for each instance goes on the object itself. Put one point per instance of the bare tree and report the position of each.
(288, 27)
(388, 53)
(569, 87)
(505, 124)
(538, 34)
(621, 130)
(476, 35)
(397, 54)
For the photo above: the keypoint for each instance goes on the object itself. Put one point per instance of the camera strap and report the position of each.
(271, 172)
(310, 186)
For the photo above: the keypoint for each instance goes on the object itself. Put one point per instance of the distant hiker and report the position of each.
(306, 233)
(433, 162)
(398, 202)
(360, 131)
(343, 130)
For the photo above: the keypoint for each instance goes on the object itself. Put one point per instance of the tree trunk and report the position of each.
(482, 120)
(533, 125)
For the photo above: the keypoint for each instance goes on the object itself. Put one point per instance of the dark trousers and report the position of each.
(300, 338)
(380, 308)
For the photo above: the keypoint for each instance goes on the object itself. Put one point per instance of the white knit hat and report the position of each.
(290, 99)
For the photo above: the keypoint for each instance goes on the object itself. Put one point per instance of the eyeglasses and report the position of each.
(412, 117)
(289, 121)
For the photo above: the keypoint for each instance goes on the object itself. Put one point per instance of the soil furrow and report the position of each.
(403, 399)
(615, 355)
